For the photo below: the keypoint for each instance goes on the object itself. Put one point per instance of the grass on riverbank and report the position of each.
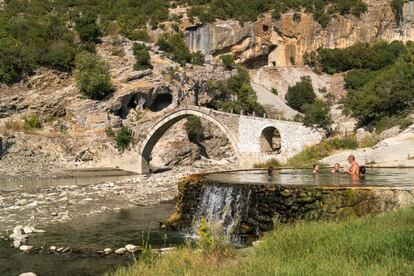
(379, 245)
(313, 154)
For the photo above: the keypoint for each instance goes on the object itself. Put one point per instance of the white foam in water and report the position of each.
(223, 208)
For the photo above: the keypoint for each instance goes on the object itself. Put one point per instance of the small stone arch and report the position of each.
(270, 141)
(158, 130)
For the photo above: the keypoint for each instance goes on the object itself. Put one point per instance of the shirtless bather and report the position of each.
(354, 169)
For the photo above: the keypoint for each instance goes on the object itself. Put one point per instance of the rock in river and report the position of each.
(132, 248)
(26, 248)
(120, 251)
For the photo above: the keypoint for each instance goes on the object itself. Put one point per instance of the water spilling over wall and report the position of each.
(248, 210)
(223, 207)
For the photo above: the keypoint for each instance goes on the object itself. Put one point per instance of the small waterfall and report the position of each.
(224, 207)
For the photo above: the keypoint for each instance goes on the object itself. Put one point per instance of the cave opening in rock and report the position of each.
(160, 102)
(265, 28)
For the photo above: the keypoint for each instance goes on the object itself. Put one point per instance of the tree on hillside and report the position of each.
(300, 94)
(142, 57)
(317, 114)
(388, 94)
(92, 75)
(87, 28)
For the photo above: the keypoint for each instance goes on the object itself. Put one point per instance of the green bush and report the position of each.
(194, 129)
(317, 114)
(124, 137)
(313, 154)
(32, 122)
(388, 94)
(92, 75)
(60, 56)
(174, 45)
(197, 58)
(142, 57)
(300, 94)
(15, 60)
(358, 56)
(236, 94)
(87, 28)
(228, 62)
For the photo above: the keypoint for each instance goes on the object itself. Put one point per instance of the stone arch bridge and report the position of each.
(254, 139)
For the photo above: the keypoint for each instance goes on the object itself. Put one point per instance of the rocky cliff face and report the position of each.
(281, 42)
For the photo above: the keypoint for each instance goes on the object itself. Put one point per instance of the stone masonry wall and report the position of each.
(270, 204)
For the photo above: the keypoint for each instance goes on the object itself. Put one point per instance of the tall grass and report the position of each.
(313, 154)
(380, 245)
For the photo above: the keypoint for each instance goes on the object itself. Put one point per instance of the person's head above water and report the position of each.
(270, 171)
(315, 168)
(351, 158)
(336, 167)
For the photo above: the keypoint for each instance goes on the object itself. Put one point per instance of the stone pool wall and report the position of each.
(267, 204)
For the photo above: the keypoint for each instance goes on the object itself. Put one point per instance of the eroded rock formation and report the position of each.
(285, 41)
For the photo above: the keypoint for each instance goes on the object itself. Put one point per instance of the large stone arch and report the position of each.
(158, 130)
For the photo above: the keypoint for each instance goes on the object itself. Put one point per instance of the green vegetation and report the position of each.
(87, 28)
(358, 56)
(385, 99)
(373, 245)
(244, 11)
(142, 57)
(313, 154)
(228, 61)
(317, 114)
(300, 94)
(379, 84)
(32, 122)
(174, 45)
(92, 75)
(270, 163)
(124, 137)
(236, 94)
(194, 129)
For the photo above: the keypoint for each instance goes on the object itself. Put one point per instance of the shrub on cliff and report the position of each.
(124, 137)
(15, 60)
(228, 62)
(32, 121)
(194, 129)
(300, 94)
(92, 75)
(174, 45)
(236, 94)
(87, 28)
(61, 56)
(142, 57)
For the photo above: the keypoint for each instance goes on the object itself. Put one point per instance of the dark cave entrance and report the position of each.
(160, 102)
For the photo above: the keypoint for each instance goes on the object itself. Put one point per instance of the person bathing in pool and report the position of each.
(315, 169)
(336, 168)
(355, 169)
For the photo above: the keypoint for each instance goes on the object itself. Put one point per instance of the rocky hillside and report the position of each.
(77, 131)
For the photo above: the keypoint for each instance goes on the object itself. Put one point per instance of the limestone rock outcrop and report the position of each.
(285, 41)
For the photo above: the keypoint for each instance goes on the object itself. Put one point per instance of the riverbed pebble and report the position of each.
(132, 248)
(120, 251)
(107, 251)
(26, 248)
(28, 274)
(52, 248)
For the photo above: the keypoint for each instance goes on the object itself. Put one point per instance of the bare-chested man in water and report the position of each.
(354, 169)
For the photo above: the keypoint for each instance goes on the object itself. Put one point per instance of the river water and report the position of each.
(85, 235)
